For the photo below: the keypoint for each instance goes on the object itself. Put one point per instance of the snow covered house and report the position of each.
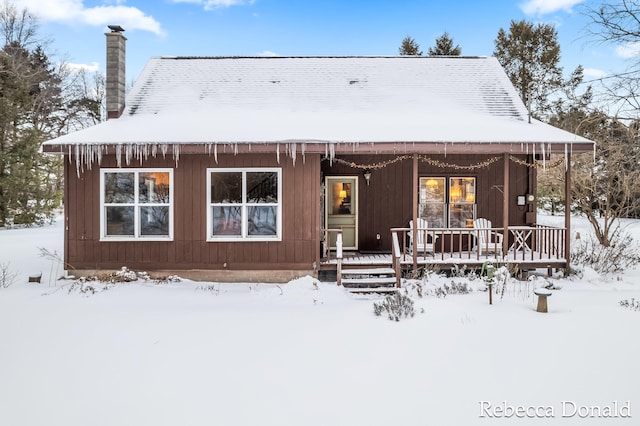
(248, 168)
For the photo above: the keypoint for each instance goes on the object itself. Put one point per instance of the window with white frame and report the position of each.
(244, 204)
(462, 202)
(447, 202)
(432, 200)
(136, 204)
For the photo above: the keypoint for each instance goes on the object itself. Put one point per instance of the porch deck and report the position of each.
(446, 260)
(524, 248)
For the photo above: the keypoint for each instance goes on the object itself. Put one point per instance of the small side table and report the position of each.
(542, 294)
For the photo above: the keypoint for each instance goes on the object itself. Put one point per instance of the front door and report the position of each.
(341, 209)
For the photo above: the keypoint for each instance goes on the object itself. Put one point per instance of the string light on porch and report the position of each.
(443, 165)
(372, 166)
(537, 164)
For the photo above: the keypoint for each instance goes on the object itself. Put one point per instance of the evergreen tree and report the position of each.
(29, 189)
(38, 101)
(530, 55)
(444, 47)
(409, 47)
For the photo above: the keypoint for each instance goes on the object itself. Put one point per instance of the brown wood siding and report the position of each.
(298, 250)
(387, 202)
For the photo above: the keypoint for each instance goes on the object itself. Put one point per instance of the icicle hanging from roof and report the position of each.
(78, 160)
(292, 152)
(176, 153)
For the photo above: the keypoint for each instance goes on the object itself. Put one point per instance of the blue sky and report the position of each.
(305, 27)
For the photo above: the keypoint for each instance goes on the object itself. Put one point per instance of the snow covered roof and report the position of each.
(322, 101)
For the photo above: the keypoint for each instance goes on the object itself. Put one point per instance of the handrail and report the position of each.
(326, 248)
(395, 257)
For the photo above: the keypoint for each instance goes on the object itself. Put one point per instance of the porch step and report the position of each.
(369, 279)
(372, 290)
(367, 271)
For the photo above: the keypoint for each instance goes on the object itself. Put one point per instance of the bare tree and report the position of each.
(614, 21)
(84, 95)
(607, 189)
(618, 23)
(18, 26)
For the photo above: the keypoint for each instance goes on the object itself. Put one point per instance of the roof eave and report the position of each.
(418, 147)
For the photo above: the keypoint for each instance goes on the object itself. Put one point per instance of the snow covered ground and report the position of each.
(308, 353)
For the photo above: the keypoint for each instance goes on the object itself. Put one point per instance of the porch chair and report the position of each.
(424, 242)
(488, 241)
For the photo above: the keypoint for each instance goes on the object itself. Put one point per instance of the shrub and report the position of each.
(397, 306)
(632, 304)
(82, 286)
(7, 276)
(453, 288)
(621, 254)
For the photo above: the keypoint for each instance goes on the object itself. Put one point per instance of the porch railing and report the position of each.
(537, 243)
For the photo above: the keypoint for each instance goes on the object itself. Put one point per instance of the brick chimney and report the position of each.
(115, 85)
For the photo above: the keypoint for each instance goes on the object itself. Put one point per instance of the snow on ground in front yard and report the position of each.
(308, 353)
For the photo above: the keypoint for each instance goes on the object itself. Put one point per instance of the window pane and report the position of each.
(432, 190)
(462, 190)
(154, 220)
(459, 214)
(340, 197)
(120, 220)
(262, 187)
(227, 220)
(262, 220)
(154, 187)
(434, 214)
(226, 187)
(118, 188)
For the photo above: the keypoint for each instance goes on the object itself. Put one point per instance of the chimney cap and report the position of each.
(115, 28)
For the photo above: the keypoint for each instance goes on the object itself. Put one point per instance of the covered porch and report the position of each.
(503, 190)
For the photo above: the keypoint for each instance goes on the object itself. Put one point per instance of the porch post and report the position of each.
(505, 205)
(567, 211)
(414, 214)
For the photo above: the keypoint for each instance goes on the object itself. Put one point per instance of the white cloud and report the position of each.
(215, 4)
(544, 7)
(628, 50)
(594, 73)
(267, 53)
(75, 12)
(92, 67)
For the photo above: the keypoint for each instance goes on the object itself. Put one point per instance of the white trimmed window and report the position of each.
(244, 204)
(136, 204)
(457, 210)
